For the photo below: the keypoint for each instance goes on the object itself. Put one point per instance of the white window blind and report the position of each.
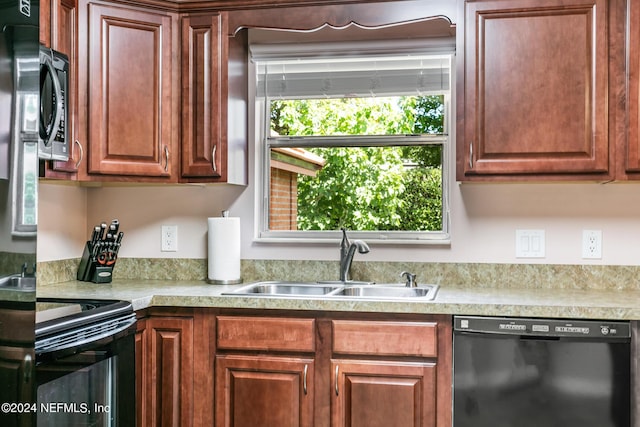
(293, 76)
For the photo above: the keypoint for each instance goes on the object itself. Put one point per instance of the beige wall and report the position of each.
(483, 216)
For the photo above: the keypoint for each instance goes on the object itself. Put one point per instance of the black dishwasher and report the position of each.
(527, 372)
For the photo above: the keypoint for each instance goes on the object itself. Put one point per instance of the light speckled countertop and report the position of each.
(487, 301)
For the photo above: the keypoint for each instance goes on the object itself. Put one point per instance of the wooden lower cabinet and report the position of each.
(142, 354)
(164, 377)
(347, 371)
(391, 372)
(382, 394)
(264, 391)
(249, 368)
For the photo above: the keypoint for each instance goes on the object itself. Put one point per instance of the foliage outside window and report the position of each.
(371, 163)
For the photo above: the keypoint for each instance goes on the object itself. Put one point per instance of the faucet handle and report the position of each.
(345, 240)
(410, 278)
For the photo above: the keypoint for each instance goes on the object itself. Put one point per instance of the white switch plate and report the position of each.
(530, 244)
(169, 238)
(592, 244)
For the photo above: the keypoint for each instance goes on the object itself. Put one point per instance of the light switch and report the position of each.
(530, 244)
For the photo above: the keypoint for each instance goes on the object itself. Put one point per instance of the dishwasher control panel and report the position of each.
(543, 327)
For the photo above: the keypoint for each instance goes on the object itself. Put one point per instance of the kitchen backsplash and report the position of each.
(541, 276)
(11, 263)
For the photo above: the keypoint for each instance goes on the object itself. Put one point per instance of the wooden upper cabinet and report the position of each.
(130, 115)
(203, 77)
(214, 82)
(532, 95)
(631, 149)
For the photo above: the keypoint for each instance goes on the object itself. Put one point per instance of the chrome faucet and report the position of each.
(410, 279)
(347, 251)
(25, 270)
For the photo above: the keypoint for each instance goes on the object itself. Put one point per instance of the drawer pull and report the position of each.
(337, 387)
(304, 379)
(27, 368)
(81, 153)
(166, 156)
(213, 159)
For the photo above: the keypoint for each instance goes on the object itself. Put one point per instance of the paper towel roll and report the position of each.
(224, 250)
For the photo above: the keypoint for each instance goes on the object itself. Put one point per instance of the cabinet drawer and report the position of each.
(385, 338)
(265, 333)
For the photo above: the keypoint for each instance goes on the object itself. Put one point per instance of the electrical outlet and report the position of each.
(592, 244)
(169, 238)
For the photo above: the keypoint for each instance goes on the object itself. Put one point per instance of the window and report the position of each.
(353, 136)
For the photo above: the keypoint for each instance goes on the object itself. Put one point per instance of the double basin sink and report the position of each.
(328, 289)
(17, 282)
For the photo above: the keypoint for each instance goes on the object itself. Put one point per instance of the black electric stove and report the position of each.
(85, 362)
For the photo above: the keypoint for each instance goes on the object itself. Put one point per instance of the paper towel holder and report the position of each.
(224, 214)
(224, 282)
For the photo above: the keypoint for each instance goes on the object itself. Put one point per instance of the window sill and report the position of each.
(441, 239)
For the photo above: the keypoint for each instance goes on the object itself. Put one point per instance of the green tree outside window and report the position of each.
(368, 188)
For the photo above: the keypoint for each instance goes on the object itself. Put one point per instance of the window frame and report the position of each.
(264, 143)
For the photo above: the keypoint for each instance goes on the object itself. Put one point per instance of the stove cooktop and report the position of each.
(48, 309)
(62, 323)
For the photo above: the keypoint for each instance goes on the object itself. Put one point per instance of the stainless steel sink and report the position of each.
(424, 292)
(286, 289)
(18, 283)
(337, 289)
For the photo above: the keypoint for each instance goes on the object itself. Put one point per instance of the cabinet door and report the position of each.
(382, 394)
(142, 349)
(632, 154)
(203, 58)
(129, 85)
(167, 366)
(534, 88)
(264, 391)
(16, 377)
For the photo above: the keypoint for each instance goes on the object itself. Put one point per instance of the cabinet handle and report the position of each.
(471, 155)
(213, 159)
(337, 388)
(304, 379)
(27, 368)
(81, 153)
(166, 156)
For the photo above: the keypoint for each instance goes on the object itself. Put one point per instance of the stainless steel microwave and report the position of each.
(53, 141)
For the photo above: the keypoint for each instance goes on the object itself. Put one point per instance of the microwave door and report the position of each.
(51, 108)
(6, 104)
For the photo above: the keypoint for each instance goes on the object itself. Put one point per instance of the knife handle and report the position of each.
(95, 235)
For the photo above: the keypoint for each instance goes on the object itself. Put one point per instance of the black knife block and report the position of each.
(90, 271)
